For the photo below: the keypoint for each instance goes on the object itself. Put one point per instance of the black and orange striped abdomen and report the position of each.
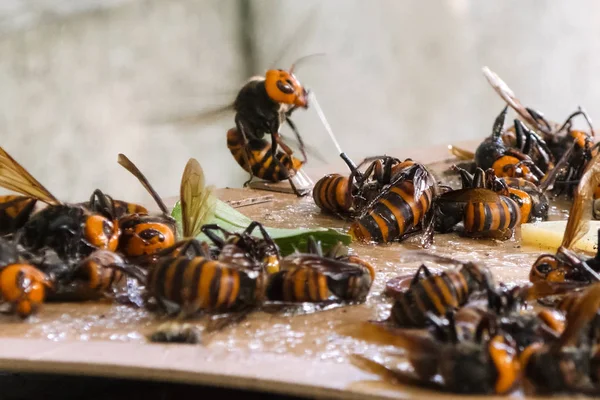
(299, 284)
(524, 202)
(491, 219)
(122, 208)
(16, 213)
(437, 294)
(262, 164)
(196, 284)
(331, 194)
(395, 214)
(531, 200)
(304, 283)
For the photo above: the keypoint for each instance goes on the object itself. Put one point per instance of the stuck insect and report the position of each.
(71, 230)
(315, 277)
(143, 234)
(484, 205)
(486, 363)
(435, 293)
(403, 206)
(566, 265)
(22, 286)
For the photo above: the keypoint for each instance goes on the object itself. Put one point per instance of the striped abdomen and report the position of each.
(299, 284)
(201, 284)
(16, 212)
(393, 215)
(311, 278)
(122, 208)
(524, 202)
(437, 294)
(493, 219)
(262, 164)
(331, 194)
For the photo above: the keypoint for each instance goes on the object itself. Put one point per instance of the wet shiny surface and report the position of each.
(322, 335)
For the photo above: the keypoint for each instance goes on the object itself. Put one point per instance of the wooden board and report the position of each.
(303, 354)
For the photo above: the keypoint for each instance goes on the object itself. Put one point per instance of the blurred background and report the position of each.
(83, 80)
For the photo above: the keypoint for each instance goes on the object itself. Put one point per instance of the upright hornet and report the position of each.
(484, 363)
(532, 201)
(321, 278)
(401, 207)
(483, 205)
(189, 277)
(566, 265)
(71, 230)
(14, 212)
(570, 363)
(22, 285)
(261, 106)
(435, 293)
(143, 235)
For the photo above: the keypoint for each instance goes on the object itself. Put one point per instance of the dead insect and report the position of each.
(569, 363)
(566, 265)
(321, 278)
(22, 285)
(176, 332)
(485, 209)
(435, 293)
(71, 230)
(347, 196)
(577, 148)
(531, 200)
(194, 282)
(189, 277)
(514, 162)
(401, 207)
(143, 234)
(510, 308)
(560, 138)
(486, 363)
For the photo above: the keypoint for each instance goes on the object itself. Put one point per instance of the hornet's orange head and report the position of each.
(283, 87)
(101, 232)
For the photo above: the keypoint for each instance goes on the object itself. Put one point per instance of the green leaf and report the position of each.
(288, 240)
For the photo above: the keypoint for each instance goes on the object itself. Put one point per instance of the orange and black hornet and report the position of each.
(71, 230)
(404, 206)
(321, 278)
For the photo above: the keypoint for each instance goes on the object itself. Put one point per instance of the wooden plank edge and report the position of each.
(191, 364)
